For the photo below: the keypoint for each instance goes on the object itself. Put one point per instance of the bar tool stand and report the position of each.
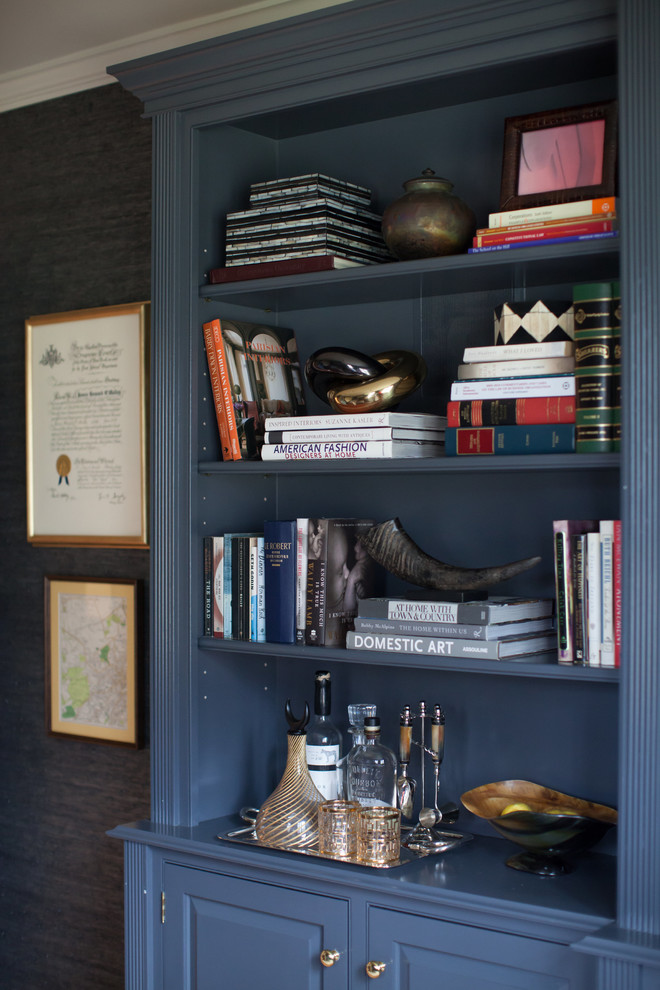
(424, 837)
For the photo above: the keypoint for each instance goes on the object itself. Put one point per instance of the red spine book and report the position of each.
(512, 412)
(545, 233)
(221, 386)
(616, 573)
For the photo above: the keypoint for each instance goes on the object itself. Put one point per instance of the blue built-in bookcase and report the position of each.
(374, 91)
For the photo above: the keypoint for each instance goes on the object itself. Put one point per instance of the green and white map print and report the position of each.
(93, 660)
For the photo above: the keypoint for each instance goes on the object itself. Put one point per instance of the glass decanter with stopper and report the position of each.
(372, 769)
(288, 819)
(323, 740)
(356, 716)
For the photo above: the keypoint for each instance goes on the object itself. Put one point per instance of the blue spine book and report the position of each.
(541, 439)
(280, 580)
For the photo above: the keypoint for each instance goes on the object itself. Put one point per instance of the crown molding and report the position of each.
(87, 69)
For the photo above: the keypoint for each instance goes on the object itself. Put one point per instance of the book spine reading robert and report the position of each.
(280, 580)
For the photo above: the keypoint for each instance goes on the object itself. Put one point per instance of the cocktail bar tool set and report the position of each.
(424, 837)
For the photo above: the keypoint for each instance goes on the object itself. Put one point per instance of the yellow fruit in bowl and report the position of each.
(515, 806)
(560, 811)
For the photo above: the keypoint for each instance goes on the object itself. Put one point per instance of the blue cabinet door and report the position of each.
(419, 953)
(225, 933)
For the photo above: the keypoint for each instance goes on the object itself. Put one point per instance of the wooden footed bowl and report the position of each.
(556, 823)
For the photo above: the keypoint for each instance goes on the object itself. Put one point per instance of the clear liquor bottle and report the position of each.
(372, 769)
(323, 740)
(356, 716)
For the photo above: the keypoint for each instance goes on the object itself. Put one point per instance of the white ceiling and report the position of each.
(49, 48)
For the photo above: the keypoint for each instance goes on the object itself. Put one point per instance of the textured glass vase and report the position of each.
(288, 819)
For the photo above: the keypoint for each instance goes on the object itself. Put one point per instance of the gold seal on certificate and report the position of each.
(63, 465)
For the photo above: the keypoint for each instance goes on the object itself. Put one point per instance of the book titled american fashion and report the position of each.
(255, 372)
(544, 438)
(507, 388)
(495, 609)
(351, 449)
(498, 649)
(332, 421)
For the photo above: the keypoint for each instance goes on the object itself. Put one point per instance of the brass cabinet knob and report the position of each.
(329, 957)
(375, 969)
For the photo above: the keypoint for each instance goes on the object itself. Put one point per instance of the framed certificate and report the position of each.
(91, 659)
(86, 427)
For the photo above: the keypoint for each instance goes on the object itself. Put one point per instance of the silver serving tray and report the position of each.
(446, 841)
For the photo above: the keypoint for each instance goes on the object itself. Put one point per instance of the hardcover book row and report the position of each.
(587, 558)
(298, 581)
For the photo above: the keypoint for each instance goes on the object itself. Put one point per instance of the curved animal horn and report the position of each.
(389, 545)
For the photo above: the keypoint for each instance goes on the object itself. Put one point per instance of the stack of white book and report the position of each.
(513, 399)
(357, 435)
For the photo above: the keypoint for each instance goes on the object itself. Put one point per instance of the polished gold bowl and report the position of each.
(556, 824)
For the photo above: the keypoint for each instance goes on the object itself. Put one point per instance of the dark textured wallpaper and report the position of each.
(75, 177)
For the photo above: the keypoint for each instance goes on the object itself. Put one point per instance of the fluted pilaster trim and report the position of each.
(170, 510)
(135, 920)
(639, 791)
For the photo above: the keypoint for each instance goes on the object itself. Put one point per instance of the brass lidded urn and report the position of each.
(428, 220)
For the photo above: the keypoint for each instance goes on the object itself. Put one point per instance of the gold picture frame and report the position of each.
(86, 388)
(91, 653)
(560, 156)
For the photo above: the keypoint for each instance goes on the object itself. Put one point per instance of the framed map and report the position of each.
(91, 659)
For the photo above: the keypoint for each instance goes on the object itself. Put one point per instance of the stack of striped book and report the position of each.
(559, 223)
(306, 216)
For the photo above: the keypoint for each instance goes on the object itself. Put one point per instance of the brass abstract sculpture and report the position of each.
(352, 382)
(389, 545)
